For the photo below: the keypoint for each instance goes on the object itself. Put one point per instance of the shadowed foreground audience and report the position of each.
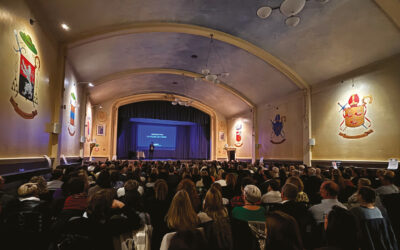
(202, 205)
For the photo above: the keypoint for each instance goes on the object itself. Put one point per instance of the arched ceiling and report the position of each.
(331, 39)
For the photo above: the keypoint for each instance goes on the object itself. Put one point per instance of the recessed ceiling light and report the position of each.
(91, 84)
(64, 26)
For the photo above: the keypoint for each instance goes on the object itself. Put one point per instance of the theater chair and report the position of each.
(392, 204)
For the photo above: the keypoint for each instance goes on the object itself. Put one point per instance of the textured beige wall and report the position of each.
(70, 143)
(246, 119)
(292, 107)
(24, 137)
(382, 82)
(221, 127)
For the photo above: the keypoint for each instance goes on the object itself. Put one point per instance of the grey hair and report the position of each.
(252, 193)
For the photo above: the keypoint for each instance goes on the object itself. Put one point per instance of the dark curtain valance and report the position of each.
(163, 110)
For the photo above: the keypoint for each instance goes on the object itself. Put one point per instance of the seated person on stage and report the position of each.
(250, 211)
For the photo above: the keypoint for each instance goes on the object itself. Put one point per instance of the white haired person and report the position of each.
(251, 211)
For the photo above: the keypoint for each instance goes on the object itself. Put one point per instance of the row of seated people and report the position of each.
(192, 208)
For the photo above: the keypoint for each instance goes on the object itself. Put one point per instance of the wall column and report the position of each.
(58, 93)
(307, 154)
(254, 134)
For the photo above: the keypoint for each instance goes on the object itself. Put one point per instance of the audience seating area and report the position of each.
(202, 205)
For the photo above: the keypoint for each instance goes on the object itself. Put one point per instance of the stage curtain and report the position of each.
(163, 110)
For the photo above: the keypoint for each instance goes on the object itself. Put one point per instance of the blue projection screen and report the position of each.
(163, 137)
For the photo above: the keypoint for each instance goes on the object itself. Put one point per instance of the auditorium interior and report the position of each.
(264, 86)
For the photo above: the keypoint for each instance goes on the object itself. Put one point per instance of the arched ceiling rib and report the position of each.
(221, 100)
(254, 78)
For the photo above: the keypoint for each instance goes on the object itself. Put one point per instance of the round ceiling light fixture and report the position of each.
(292, 21)
(292, 7)
(264, 12)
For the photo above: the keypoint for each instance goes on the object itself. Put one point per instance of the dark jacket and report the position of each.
(375, 231)
(303, 217)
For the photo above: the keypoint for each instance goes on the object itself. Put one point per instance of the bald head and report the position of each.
(329, 190)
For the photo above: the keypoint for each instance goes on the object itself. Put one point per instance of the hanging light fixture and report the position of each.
(206, 73)
(288, 8)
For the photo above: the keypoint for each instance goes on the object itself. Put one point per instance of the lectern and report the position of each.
(231, 151)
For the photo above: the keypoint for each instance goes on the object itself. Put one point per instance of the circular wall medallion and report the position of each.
(101, 116)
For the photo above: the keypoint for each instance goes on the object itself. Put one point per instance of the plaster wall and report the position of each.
(73, 99)
(19, 137)
(291, 109)
(245, 150)
(382, 82)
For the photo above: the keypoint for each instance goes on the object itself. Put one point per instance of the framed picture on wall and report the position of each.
(101, 129)
(221, 135)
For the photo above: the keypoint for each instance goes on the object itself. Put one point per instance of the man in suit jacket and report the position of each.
(151, 150)
(298, 211)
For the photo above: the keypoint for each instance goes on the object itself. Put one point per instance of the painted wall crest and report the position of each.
(354, 115)
(278, 134)
(25, 83)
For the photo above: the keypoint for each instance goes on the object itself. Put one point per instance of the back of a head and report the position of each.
(104, 180)
(282, 232)
(181, 215)
(341, 231)
(213, 206)
(246, 181)
(231, 180)
(367, 194)
(297, 182)
(161, 189)
(76, 185)
(331, 189)
(252, 194)
(100, 204)
(131, 185)
(41, 184)
(188, 185)
(389, 178)
(290, 191)
(364, 182)
(274, 184)
(28, 190)
(188, 240)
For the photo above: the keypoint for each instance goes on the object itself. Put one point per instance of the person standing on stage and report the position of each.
(151, 151)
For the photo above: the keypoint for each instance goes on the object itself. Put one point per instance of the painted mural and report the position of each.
(238, 134)
(278, 134)
(25, 84)
(355, 124)
(72, 113)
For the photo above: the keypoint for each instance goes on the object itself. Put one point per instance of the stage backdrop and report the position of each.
(190, 130)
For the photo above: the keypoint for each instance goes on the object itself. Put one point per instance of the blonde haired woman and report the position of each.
(216, 221)
(301, 196)
(181, 215)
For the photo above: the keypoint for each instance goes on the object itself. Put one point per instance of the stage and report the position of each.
(175, 132)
